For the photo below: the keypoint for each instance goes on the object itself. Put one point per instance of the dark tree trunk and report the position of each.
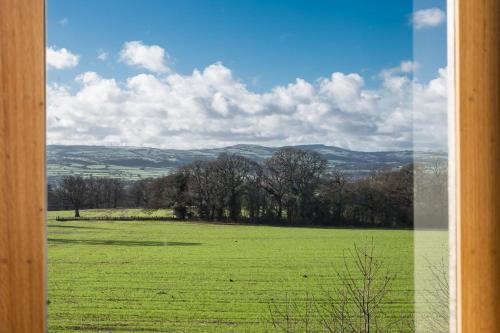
(234, 210)
(220, 213)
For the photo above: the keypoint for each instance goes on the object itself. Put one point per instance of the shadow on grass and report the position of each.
(117, 242)
(77, 227)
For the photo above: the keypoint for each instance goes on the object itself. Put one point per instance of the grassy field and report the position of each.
(136, 212)
(195, 277)
(56, 171)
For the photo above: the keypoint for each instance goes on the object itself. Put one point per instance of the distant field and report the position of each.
(56, 171)
(139, 212)
(195, 277)
(135, 163)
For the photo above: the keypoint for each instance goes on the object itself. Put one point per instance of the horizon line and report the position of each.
(254, 145)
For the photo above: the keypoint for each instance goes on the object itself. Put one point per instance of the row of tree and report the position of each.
(293, 187)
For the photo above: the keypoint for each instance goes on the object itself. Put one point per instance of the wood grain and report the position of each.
(478, 101)
(22, 167)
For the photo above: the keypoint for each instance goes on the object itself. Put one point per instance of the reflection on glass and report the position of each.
(430, 112)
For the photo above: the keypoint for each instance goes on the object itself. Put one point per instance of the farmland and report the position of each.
(129, 163)
(198, 277)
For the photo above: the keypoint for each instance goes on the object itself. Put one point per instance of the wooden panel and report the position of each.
(478, 62)
(22, 167)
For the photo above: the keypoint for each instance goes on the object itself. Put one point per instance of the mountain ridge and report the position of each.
(132, 163)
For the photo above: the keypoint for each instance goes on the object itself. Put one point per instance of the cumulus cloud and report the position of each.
(428, 18)
(430, 119)
(212, 108)
(61, 58)
(151, 57)
(405, 67)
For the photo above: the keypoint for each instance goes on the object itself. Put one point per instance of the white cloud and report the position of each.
(345, 92)
(61, 58)
(430, 118)
(409, 66)
(428, 18)
(102, 55)
(151, 57)
(211, 108)
(405, 67)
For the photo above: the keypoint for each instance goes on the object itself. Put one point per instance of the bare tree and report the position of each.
(233, 171)
(334, 196)
(138, 193)
(294, 316)
(438, 298)
(117, 190)
(74, 190)
(275, 183)
(254, 194)
(200, 184)
(356, 306)
(365, 285)
(292, 176)
(431, 194)
(176, 192)
(95, 189)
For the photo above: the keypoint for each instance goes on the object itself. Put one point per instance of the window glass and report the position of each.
(248, 166)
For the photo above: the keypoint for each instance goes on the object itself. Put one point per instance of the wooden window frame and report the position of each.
(23, 254)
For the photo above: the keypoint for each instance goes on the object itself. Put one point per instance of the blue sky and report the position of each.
(265, 44)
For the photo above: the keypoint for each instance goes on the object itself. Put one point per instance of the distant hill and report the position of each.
(132, 163)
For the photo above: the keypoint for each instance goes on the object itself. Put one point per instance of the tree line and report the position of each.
(293, 187)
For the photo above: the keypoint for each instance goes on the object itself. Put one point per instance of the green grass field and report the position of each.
(114, 213)
(195, 277)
